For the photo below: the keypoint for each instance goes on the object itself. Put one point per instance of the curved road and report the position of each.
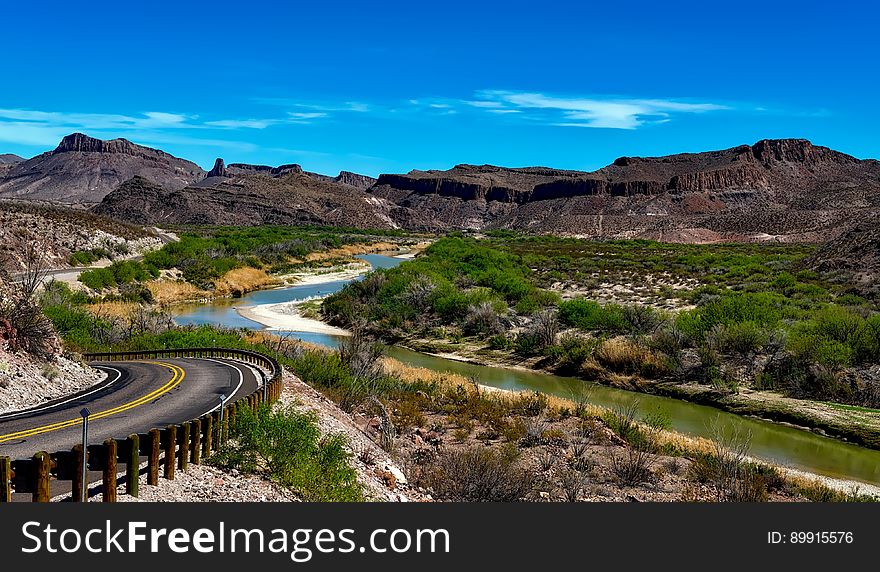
(135, 397)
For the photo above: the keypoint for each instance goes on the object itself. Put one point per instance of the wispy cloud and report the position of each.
(45, 128)
(326, 107)
(595, 112)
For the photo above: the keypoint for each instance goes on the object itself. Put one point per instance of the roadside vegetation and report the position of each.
(287, 447)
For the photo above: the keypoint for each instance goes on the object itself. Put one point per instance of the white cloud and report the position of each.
(596, 112)
(309, 115)
(40, 128)
(344, 106)
(148, 120)
(242, 123)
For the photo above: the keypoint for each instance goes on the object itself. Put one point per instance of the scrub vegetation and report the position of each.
(725, 318)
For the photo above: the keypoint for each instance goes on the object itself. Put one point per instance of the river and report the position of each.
(782, 445)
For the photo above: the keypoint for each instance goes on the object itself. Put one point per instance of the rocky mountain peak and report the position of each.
(355, 180)
(80, 142)
(219, 169)
(796, 151)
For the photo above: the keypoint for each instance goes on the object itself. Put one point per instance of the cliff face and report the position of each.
(362, 182)
(750, 168)
(807, 189)
(83, 169)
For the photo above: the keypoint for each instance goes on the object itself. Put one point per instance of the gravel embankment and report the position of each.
(26, 382)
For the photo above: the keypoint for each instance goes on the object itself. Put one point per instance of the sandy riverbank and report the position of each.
(337, 274)
(286, 316)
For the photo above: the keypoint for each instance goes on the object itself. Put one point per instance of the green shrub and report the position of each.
(741, 338)
(287, 446)
(589, 315)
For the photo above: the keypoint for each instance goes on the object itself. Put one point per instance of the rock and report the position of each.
(398, 474)
(387, 478)
(219, 169)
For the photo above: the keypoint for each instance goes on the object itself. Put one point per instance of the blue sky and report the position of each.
(387, 87)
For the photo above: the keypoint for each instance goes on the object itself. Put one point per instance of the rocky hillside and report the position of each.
(60, 232)
(7, 161)
(854, 256)
(83, 170)
(773, 190)
(247, 195)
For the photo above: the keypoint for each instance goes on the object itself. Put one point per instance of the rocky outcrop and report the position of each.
(9, 159)
(219, 169)
(83, 169)
(245, 169)
(362, 182)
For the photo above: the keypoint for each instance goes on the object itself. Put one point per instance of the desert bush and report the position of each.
(500, 342)
(622, 420)
(572, 351)
(727, 469)
(546, 459)
(287, 447)
(669, 340)
(572, 482)
(482, 319)
(477, 474)
(741, 338)
(641, 319)
(633, 466)
(544, 328)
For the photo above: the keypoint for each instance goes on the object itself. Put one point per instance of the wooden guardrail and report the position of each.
(174, 446)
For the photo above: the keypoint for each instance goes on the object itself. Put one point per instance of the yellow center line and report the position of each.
(176, 378)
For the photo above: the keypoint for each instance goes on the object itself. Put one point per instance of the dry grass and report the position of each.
(112, 309)
(240, 281)
(351, 250)
(173, 291)
(624, 355)
(412, 374)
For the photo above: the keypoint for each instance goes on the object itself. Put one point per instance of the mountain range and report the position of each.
(774, 190)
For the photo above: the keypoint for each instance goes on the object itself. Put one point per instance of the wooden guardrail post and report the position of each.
(78, 456)
(5, 479)
(224, 429)
(108, 479)
(197, 442)
(218, 430)
(42, 468)
(170, 450)
(153, 458)
(183, 455)
(133, 465)
(209, 434)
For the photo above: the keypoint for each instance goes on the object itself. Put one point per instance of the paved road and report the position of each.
(136, 397)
